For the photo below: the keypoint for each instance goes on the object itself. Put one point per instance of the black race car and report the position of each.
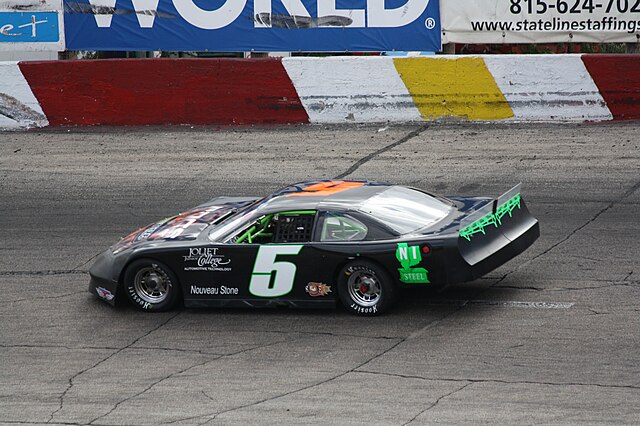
(313, 243)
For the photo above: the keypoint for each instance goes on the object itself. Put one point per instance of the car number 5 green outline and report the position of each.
(266, 265)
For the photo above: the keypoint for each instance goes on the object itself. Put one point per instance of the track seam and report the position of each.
(382, 150)
(506, 382)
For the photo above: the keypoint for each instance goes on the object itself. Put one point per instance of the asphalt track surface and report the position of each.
(551, 337)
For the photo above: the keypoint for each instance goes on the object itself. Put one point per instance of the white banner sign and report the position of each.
(540, 21)
(31, 25)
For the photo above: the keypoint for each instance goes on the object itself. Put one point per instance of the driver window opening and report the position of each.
(288, 227)
(338, 227)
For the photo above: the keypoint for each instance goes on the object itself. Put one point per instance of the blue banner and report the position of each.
(29, 27)
(253, 25)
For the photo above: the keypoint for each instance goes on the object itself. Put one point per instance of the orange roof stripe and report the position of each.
(326, 188)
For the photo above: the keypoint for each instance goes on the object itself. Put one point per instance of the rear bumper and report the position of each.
(500, 257)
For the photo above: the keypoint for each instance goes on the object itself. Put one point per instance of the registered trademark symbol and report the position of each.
(430, 23)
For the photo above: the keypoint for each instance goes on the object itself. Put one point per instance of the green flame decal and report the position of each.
(494, 219)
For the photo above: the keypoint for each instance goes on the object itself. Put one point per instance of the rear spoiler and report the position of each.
(495, 233)
(491, 213)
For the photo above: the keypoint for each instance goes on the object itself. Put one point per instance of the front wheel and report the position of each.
(365, 288)
(151, 286)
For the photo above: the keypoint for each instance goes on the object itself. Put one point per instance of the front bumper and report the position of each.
(105, 274)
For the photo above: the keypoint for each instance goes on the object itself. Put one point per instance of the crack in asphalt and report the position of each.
(618, 284)
(207, 396)
(515, 287)
(30, 299)
(626, 278)
(429, 326)
(597, 312)
(608, 207)
(506, 382)
(75, 376)
(199, 364)
(327, 333)
(49, 272)
(382, 150)
(70, 348)
(437, 402)
(614, 284)
(192, 351)
(74, 271)
(16, 422)
(115, 407)
(77, 268)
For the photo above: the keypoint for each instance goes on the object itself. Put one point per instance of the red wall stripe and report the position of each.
(618, 79)
(164, 91)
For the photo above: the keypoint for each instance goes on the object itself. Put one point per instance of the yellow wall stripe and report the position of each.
(461, 87)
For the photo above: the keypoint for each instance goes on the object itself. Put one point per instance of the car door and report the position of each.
(269, 261)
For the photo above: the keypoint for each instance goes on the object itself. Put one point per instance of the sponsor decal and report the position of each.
(105, 294)
(214, 291)
(206, 259)
(146, 234)
(410, 256)
(317, 289)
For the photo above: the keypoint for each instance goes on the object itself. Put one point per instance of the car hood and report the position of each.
(184, 226)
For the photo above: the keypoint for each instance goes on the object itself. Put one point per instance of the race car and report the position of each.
(313, 244)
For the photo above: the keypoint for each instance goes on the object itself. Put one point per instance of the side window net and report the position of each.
(288, 227)
(342, 227)
(293, 229)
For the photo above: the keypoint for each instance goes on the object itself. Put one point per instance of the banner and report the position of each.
(31, 25)
(253, 25)
(540, 21)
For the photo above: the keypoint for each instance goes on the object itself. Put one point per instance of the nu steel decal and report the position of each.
(410, 256)
(494, 219)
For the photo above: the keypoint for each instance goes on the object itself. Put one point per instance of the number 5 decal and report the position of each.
(266, 265)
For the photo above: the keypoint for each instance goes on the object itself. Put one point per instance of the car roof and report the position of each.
(322, 195)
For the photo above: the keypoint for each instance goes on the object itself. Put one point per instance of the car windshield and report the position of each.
(406, 210)
(234, 221)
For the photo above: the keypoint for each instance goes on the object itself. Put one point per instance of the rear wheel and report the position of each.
(365, 288)
(151, 286)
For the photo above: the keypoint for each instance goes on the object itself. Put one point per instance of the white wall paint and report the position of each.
(351, 89)
(548, 87)
(19, 108)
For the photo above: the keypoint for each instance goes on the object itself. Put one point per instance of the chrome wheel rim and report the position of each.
(152, 284)
(364, 288)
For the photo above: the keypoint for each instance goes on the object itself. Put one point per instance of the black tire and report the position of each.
(151, 286)
(366, 289)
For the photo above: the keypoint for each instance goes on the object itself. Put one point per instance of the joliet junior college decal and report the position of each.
(206, 259)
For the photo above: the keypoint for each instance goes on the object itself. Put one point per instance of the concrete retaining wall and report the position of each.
(320, 90)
